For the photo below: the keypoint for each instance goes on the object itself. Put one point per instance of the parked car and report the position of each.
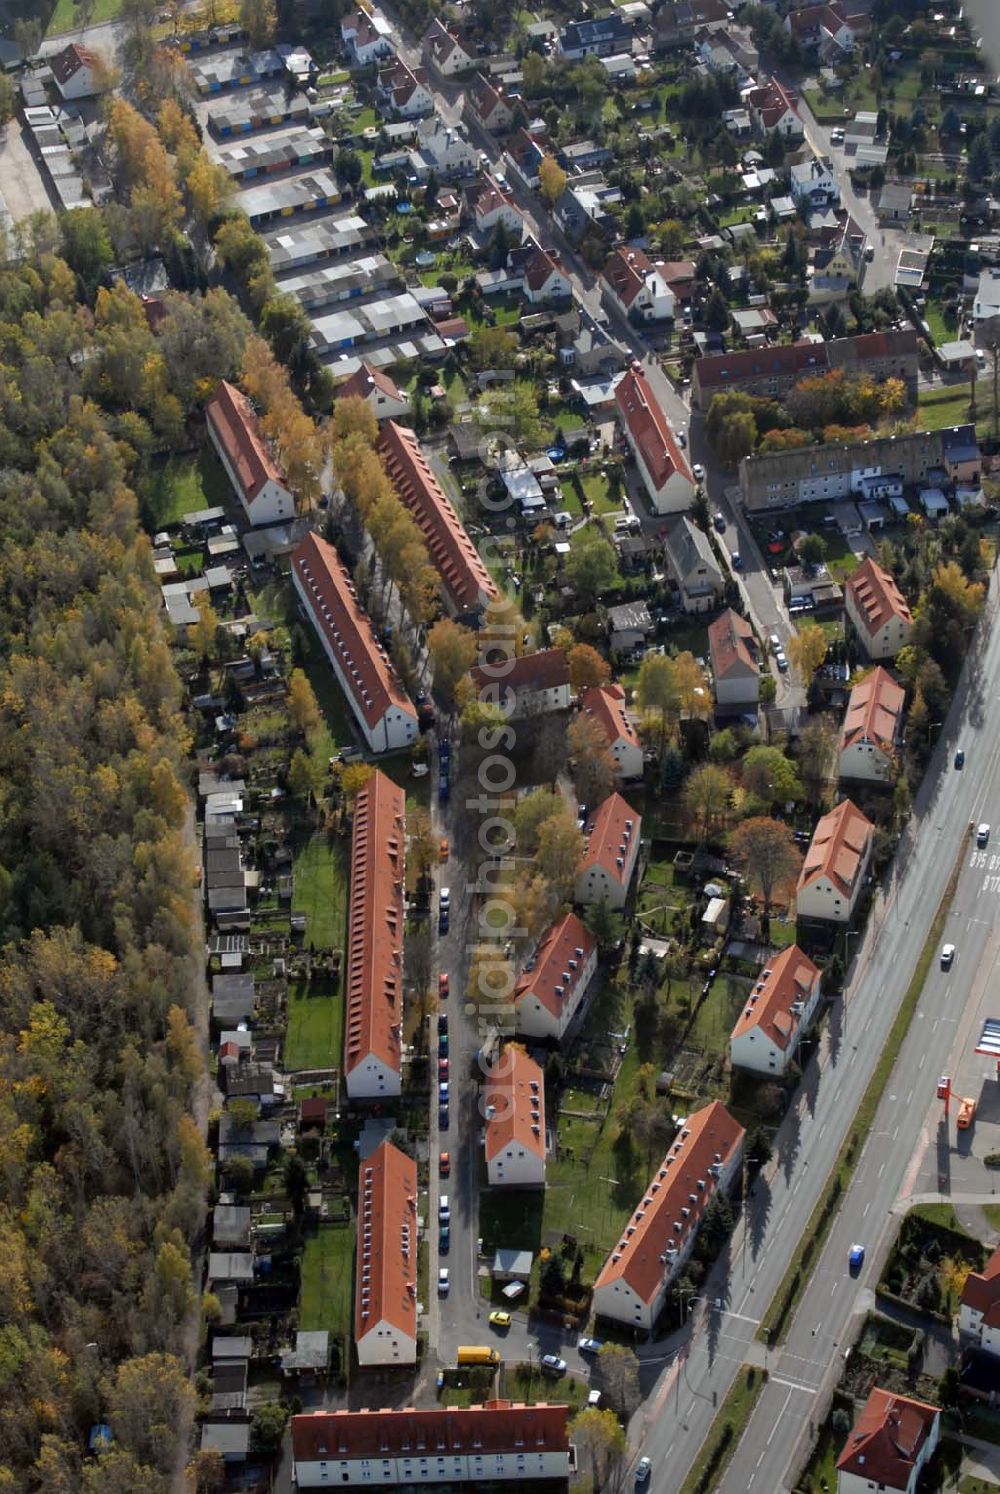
(444, 897)
(966, 1114)
(442, 1021)
(444, 1281)
(442, 1094)
(720, 523)
(444, 1164)
(698, 472)
(736, 560)
(443, 921)
(443, 984)
(442, 1045)
(642, 1471)
(444, 1209)
(553, 1364)
(960, 759)
(982, 835)
(442, 1117)
(444, 1239)
(589, 1345)
(444, 849)
(781, 660)
(499, 1319)
(442, 1068)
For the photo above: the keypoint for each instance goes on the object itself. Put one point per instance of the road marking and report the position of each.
(864, 1211)
(881, 1170)
(895, 1133)
(793, 1385)
(821, 1130)
(742, 1318)
(923, 1060)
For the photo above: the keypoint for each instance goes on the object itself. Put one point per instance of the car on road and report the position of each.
(736, 560)
(553, 1365)
(443, 984)
(869, 252)
(444, 1209)
(444, 1164)
(720, 523)
(443, 921)
(442, 1066)
(444, 897)
(444, 1239)
(444, 849)
(442, 1021)
(982, 835)
(642, 1471)
(698, 472)
(442, 1045)
(781, 660)
(947, 956)
(960, 759)
(774, 641)
(444, 1281)
(682, 440)
(855, 1259)
(442, 1117)
(443, 1094)
(499, 1319)
(837, 136)
(589, 1345)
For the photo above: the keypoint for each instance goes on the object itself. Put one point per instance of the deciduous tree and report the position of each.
(303, 708)
(453, 650)
(706, 796)
(765, 850)
(551, 180)
(592, 765)
(807, 650)
(586, 667)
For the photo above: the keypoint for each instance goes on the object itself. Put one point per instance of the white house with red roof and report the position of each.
(634, 284)
(877, 610)
(703, 1159)
(835, 866)
(79, 72)
(611, 849)
(447, 52)
(605, 705)
(327, 596)
(403, 91)
(532, 685)
(374, 972)
(872, 729)
(378, 390)
(735, 658)
(779, 1009)
(553, 981)
(501, 1441)
(243, 450)
(367, 38)
(774, 111)
(489, 105)
(979, 1305)
(514, 1134)
(544, 278)
(893, 1440)
(662, 464)
(490, 205)
(385, 1279)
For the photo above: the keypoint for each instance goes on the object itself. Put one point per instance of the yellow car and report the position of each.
(499, 1319)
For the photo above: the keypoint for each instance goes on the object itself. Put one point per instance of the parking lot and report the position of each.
(21, 182)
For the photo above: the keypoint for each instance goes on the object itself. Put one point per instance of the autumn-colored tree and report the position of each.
(422, 845)
(769, 776)
(303, 708)
(353, 777)
(551, 180)
(209, 189)
(258, 18)
(967, 597)
(592, 765)
(706, 796)
(303, 773)
(202, 634)
(807, 649)
(453, 650)
(353, 416)
(586, 667)
(766, 852)
(149, 1402)
(600, 1447)
(560, 849)
(816, 751)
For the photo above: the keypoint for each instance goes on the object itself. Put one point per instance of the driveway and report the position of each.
(21, 182)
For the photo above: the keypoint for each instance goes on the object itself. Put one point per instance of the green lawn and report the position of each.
(939, 408)
(327, 1281)
(66, 16)
(184, 484)
(320, 871)
(525, 1383)
(314, 1034)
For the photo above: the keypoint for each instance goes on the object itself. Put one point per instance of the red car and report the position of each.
(444, 1164)
(442, 1068)
(443, 983)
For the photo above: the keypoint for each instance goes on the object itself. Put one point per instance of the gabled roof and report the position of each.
(876, 596)
(545, 670)
(627, 270)
(540, 268)
(515, 1103)
(874, 711)
(70, 60)
(677, 271)
(554, 970)
(611, 833)
(839, 848)
(335, 610)
(666, 1217)
(485, 96)
(238, 432)
(441, 42)
(497, 1426)
(782, 361)
(463, 571)
(365, 380)
(888, 1439)
(982, 1288)
(732, 645)
(772, 103)
(374, 978)
(401, 81)
(788, 979)
(385, 1288)
(690, 550)
(649, 429)
(606, 706)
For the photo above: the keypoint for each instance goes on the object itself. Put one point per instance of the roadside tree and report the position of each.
(807, 649)
(551, 180)
(453, 650)
(618, 1372)
(600, 1446)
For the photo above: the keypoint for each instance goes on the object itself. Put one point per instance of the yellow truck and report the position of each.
(477, 1354)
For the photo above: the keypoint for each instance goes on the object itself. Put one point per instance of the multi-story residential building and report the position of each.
(734, 655)
(823, 29)
(498, 1442)
(774, 110)
(677, 21)
(877, 610)
(374, 972)
(243, 450)
(488, 104)
(378, 390)
(514, 1134)
(662, 465)
(893, 1439)
(385, 1280)
(489, 204)
(605, 705)
(872, 729)
(446, 52)
(529, 686)
(525, 153)
(835, 866)
(693, 566)
(777, 1013)
(367, 38)
(813, 185)
(612, 835)
(555, 978)
(600, 38)
(79, 72)
(704, 1159)
(634, 284)
(468, 585)
(772, 371)
(960, 455)
(836, 469)
(403, 92)
(381, 707)
(979, 1305)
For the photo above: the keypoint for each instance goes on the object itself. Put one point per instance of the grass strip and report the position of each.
(724, 1434)
(775, 1321)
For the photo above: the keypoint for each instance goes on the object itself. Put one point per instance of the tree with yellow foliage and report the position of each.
(807, 650)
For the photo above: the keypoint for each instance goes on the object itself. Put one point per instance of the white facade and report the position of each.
(867, 762)
(386, 407)
(671, 497)
(822, 898)
(756, 1050)
(887, 640)
(373, 1079)
(555, 287)
(450, 151)
(272, 504)
(595, 884)
(741, 685)
(853, 1483)
(516, 1166)
(534, 1019)
(499, 211)
(628, 757)
(383, 1343)
(433, 1470)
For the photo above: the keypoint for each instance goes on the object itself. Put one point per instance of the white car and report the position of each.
(947, 956)
(445, 897)
(444, 1209)
(774, 641)
(698, 471)
(982, 835)
(443, 1281)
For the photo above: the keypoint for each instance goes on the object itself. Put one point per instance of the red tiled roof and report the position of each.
(485, 96)
(838, 848)
(887, 1440)
(606, 705)
(551, 965)
(540, 267)
(708, 1138)
(374, 983)
(466, 578)
(677, 271)
(313, 1109)
(515, 1094)
(731, 641)
(876, 596)
(772, 103)
(366, 379)
(237, 429)
(70, 60)
(789, 977)
(335, 609)
(787, 360)
(385, 1288)
(612, 832)
(982, 1288)
(625, 271)
(874, 711)
(874, 345)
(401, 81)
(497, 1426)
(648, 426)
(545, 670)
